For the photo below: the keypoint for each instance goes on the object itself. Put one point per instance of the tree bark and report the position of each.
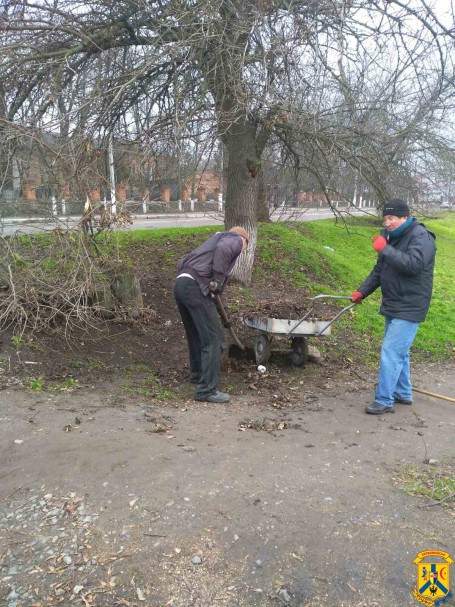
(262, 207)
(241, 192)
(127, 290)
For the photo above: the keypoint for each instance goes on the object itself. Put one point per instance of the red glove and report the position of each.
(357, 297)
(379, 243)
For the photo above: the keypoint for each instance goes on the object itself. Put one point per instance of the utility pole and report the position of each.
(112, 174)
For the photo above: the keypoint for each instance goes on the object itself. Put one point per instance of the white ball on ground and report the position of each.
(261, 369)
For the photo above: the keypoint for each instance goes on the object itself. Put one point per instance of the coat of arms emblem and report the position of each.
(433, 577)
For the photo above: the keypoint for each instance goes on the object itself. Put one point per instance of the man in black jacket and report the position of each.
(404, 271)
(201, 275)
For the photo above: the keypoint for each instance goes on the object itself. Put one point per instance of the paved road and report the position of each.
(10, 226)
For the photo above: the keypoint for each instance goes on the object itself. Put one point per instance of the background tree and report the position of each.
(336, 83)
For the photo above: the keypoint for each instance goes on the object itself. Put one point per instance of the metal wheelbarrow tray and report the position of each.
(298, 330)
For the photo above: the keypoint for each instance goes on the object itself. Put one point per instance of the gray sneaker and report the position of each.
(215, 397)
(402, 401)
(377, 409)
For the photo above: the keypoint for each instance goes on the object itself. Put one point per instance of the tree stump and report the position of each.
(127, 290)
(103, 299)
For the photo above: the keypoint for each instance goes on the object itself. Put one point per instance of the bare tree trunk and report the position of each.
(4, 154)
(241, 193)
(262, 207)
(224, 167)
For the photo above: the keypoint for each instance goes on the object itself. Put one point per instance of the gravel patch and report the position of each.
(51, 553)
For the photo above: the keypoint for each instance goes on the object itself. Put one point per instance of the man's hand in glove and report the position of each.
(213, 286)
(357, 297)
(227, 325)
(379, 243)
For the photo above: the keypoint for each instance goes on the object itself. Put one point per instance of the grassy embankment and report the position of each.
(341, 271)
(325, 257)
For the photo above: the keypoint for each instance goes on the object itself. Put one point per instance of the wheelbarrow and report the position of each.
(298, 330)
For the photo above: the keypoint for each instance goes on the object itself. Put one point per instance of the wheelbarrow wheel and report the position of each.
(261, 349)
(299, 355)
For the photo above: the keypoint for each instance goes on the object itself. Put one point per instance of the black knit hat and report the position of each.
(396, 207)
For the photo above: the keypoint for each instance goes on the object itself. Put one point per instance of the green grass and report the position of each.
(18, 341)
(37, 384)
(34, 383)
(432, 483)
(67, 385)
(324, 257)
(317, 257)
(92, 364)
(148, 387)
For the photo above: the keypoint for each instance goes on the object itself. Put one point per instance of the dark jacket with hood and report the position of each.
(404, 271)
(213, 260)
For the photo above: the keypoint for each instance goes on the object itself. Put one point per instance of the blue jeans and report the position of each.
(394, 371)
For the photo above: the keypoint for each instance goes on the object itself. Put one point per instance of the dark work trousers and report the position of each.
(204, 334)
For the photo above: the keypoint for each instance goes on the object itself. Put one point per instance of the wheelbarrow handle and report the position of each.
(331, 297)
(352, 305)
(224, 317)
(313, 300)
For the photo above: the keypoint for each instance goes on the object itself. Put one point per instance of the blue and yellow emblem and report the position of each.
(433, 577)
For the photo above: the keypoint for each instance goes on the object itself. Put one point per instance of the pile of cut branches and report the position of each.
(55, 281)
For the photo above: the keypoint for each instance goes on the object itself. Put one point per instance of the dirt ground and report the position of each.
(118, 489)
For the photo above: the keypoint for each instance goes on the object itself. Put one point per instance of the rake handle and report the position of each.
(224, 317)
(452, 400)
